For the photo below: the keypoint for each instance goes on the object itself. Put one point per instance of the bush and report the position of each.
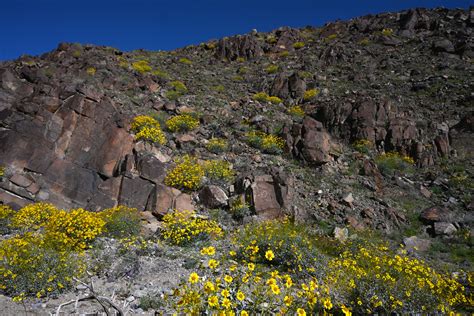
(263, 97)
(6, 214)
(184, 227)
(187, 174)
(178, 89)
(389, 163)
(73, 230)
(239, 209)
(310, 94)
(296, 111)
(271, 69)
(387, 32)
(298, 45)
(217, 145)
(161, 74)
(218, 170)
(91, 71)
(2, 171)
(284, 54)
(182, 123)
(274, 100)
(33, 216)
(147, 128)
(141, 66)
(363, 146)
(121, 221)
(29, 268)
(364, 42)
(185, 61)
(269, 143)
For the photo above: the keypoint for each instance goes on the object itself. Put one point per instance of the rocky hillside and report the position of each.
(366, 124)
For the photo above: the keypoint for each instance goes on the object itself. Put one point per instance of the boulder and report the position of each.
(444, 228)
(443, 45)
(213, 197)
(415, 243)
(433, 214)
(135, 192)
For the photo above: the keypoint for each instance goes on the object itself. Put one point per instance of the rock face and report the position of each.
(243, 46)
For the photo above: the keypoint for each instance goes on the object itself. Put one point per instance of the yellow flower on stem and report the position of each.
(193, 278)
(269, 255)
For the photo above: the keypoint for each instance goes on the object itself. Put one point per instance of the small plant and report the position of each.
(387, 32)
(2, 171)
(161, 74)
(390, 162)
(187, 174)
(182, 123)
(310, 94)
(364, 42)
(331, 37)
(210, 46)
(269, 143)
(363, 146)
(217, 145)
(274, 100)
(298, 45)
(141, 66)
(272, 69)
(6, 214)
(184, 227)
(178, 89)
(33, 216)
(296, 111)
(260, 96)
(121, 221)
(284, 54)
(185, 61)
(219, 88)
(147, 128)
(239, 209)
(243, 70)
(218, 170)
(91, 71)
(271, 39)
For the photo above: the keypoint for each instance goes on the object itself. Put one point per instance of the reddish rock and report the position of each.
(21, 180)
(135, 192)
(163, 201)
(184, 202)
(433, 214)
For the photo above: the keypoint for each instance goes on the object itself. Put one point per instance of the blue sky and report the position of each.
(37, 26)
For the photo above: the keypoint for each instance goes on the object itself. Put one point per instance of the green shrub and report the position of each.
(310, 94)
(187, 174)
(260, 96)
(182, 123)
(364, 42)
(185, 61)
(147, 128)
(389, 163)
(298, 45)
(161, 74)
(178, 89)
(91, 71)
(2, 171)
(272, 69)
(141, 66)
(218, 170)
(217, 145)
(239, 208)
(274, 100)
(387, 32)
(284, 54)
(269, 143)
(363, 146)
(121, 221)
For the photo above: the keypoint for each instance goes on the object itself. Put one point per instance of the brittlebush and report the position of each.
(147, 128)
(187, 174)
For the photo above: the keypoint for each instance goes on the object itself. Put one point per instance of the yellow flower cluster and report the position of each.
(141, 66)
(296, 111)
(2, 171)
(147, 128)
(33, 216)
(377, 280)
(298, 45)
(263, 97)
(310, 94)
(363, 146)
(217, 145)
(91, 71)
(187, 174)
(185, 61)
(394, 161)
(182, 227)
(218, 170)
(182, 123)
(269, 143)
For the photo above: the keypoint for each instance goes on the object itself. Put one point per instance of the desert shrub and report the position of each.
(178, 89)
(379, 280)
(271, 39)
(389, 163)
(184, 227)
(331, 37)
(74, 229)
(274, 100)
(272, 69)
(269, 143)
(182, 123)
(218, 170)
(260, 96)
(298, 45)
(310, 94)
(147, 128)
(185, 61)
(2, 171)
(243, 70)
(364, 42)
(33, 216)
(29, 268)
(387, 32)
(187, 174)
(161, 74)
(239, 208)
(363, 146)
(276, 243)
(238, 78)
(6, 214)
(305, 74)
(141, 66)
(91, 71)
(217, 145)
(210, 46)
(240, 60)
(121, 221)
(296, 111)
(284, 54)
(219, 88)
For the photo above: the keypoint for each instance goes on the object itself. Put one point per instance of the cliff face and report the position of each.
(400, 81)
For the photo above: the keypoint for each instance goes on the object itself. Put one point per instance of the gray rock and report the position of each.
(444, 228)
(212, 196)
(341, 234)
(415, 243)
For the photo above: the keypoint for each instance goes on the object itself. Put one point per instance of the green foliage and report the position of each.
(296, 111)
(263, 97)
(187, 174)
(284, 54)
(387, 32)
(272, 69)
(184, 227)
(185, 61)
(239, 208)
(270, 144)
(182, 123)
(178, 89)
(217, 145)
(141, 66)
(161, 74)
(364, 42)
(389, 163)
(91, 71)
(2, 171)
(310, 94)
(121, 221)
(271, 39)
(363, 146)
(298, 45)
(274, 100)
(219, 170)
(240, 60)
